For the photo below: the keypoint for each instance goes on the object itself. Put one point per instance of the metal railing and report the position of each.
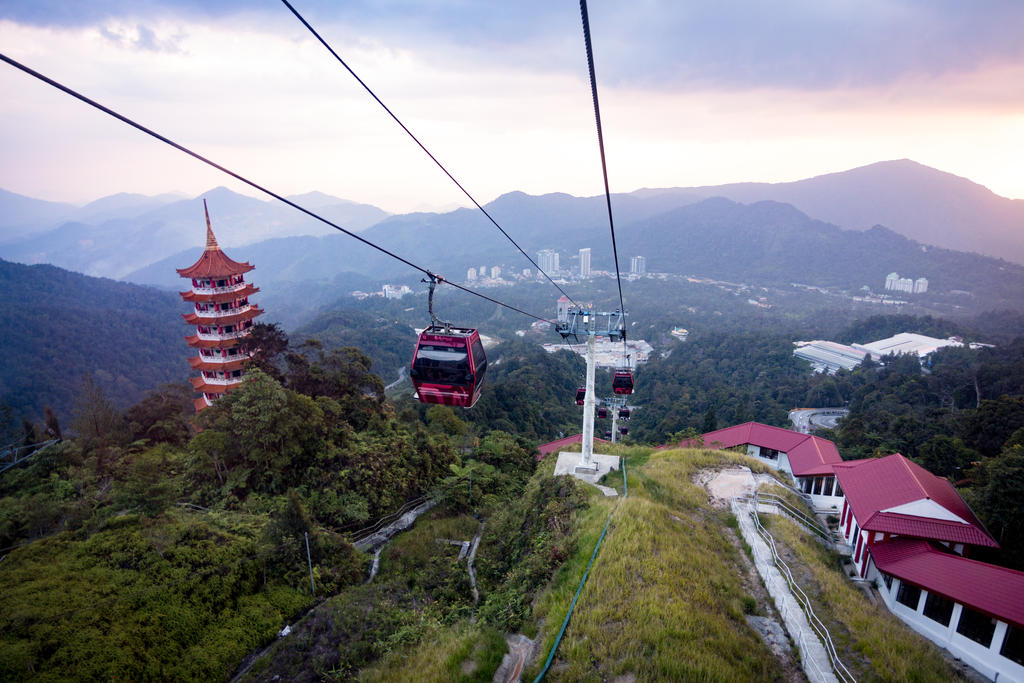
(840, 670)
(19, 454)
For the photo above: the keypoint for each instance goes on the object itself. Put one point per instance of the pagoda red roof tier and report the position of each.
(199, 319)
(195, 342)
(198, 363)
(220, 297)
(200, 385)
(213, 263)
(199, 404)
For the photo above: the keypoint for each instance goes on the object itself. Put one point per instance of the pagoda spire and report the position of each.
(211, 241)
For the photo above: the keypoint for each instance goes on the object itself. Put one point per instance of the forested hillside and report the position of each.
(57, 326)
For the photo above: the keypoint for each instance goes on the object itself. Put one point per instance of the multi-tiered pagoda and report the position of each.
(222, 316)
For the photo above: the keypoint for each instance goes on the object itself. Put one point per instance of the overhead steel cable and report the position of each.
(600, 143)
(422, 146)
(138, 126)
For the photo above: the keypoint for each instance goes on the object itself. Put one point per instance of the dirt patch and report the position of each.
(723, 485)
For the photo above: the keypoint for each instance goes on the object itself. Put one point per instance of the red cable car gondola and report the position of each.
(449, 363)
(448, 366)
(622, 382)
(623, 430)
(623, 413)
(608, 435)
(581, 395)
(602, 412)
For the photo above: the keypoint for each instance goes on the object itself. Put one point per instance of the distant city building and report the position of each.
(585, 262)
(392, 292)
(547, 260)
(222, 314)
(527, 272)
(895, 283)
(906, 343)
(638, 265)
(495, 272)
(471, 274)
(827, 356)
(482, 271)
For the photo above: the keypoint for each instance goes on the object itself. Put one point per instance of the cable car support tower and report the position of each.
(585, 325)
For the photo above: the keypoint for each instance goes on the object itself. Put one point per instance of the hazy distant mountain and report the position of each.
(919, 202)
(123, 205)
(119, 234)
(56, 325)
(774, 242)
(21, 216)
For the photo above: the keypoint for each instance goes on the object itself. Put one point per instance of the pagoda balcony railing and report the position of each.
(205, 336)
(221, 314)
(219, 290)
(222, 359)
(222, 380)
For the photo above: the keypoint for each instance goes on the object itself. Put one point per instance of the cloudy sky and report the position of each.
(692, 93)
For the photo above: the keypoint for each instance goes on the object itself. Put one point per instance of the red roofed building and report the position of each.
(973, 609)
(893, 496)
(808, 459)
(908, 531)
(222, 315)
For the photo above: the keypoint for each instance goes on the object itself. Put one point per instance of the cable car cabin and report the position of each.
(448, 366)
(623, 413)
(581, 395)
(623, 430)
(602, 412)
(608, 435)
(622, 382)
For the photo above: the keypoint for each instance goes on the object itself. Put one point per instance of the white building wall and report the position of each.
(986, 660)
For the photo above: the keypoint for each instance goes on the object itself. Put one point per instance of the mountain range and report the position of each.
(116, 235)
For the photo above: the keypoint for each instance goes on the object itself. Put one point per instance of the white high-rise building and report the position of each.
(891, 280)
(495, 272)
(920, 285)
(906, 284)
(638, 265)
(547, 260)
(585, 262)
(471, 274)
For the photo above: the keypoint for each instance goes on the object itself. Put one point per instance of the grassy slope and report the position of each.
(664, 599)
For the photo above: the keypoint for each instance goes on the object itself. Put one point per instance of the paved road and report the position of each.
(804, 419)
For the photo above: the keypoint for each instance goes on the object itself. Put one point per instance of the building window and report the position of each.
(976, 626)
(839, 489)
(769, 453)
(817, 486)
(1013, 645)
(938, 608)
(908, 595)
(887, 578)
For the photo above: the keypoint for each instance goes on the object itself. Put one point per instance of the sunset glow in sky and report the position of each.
(691, 94)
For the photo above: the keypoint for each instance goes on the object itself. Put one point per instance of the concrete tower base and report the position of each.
(600, 465)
